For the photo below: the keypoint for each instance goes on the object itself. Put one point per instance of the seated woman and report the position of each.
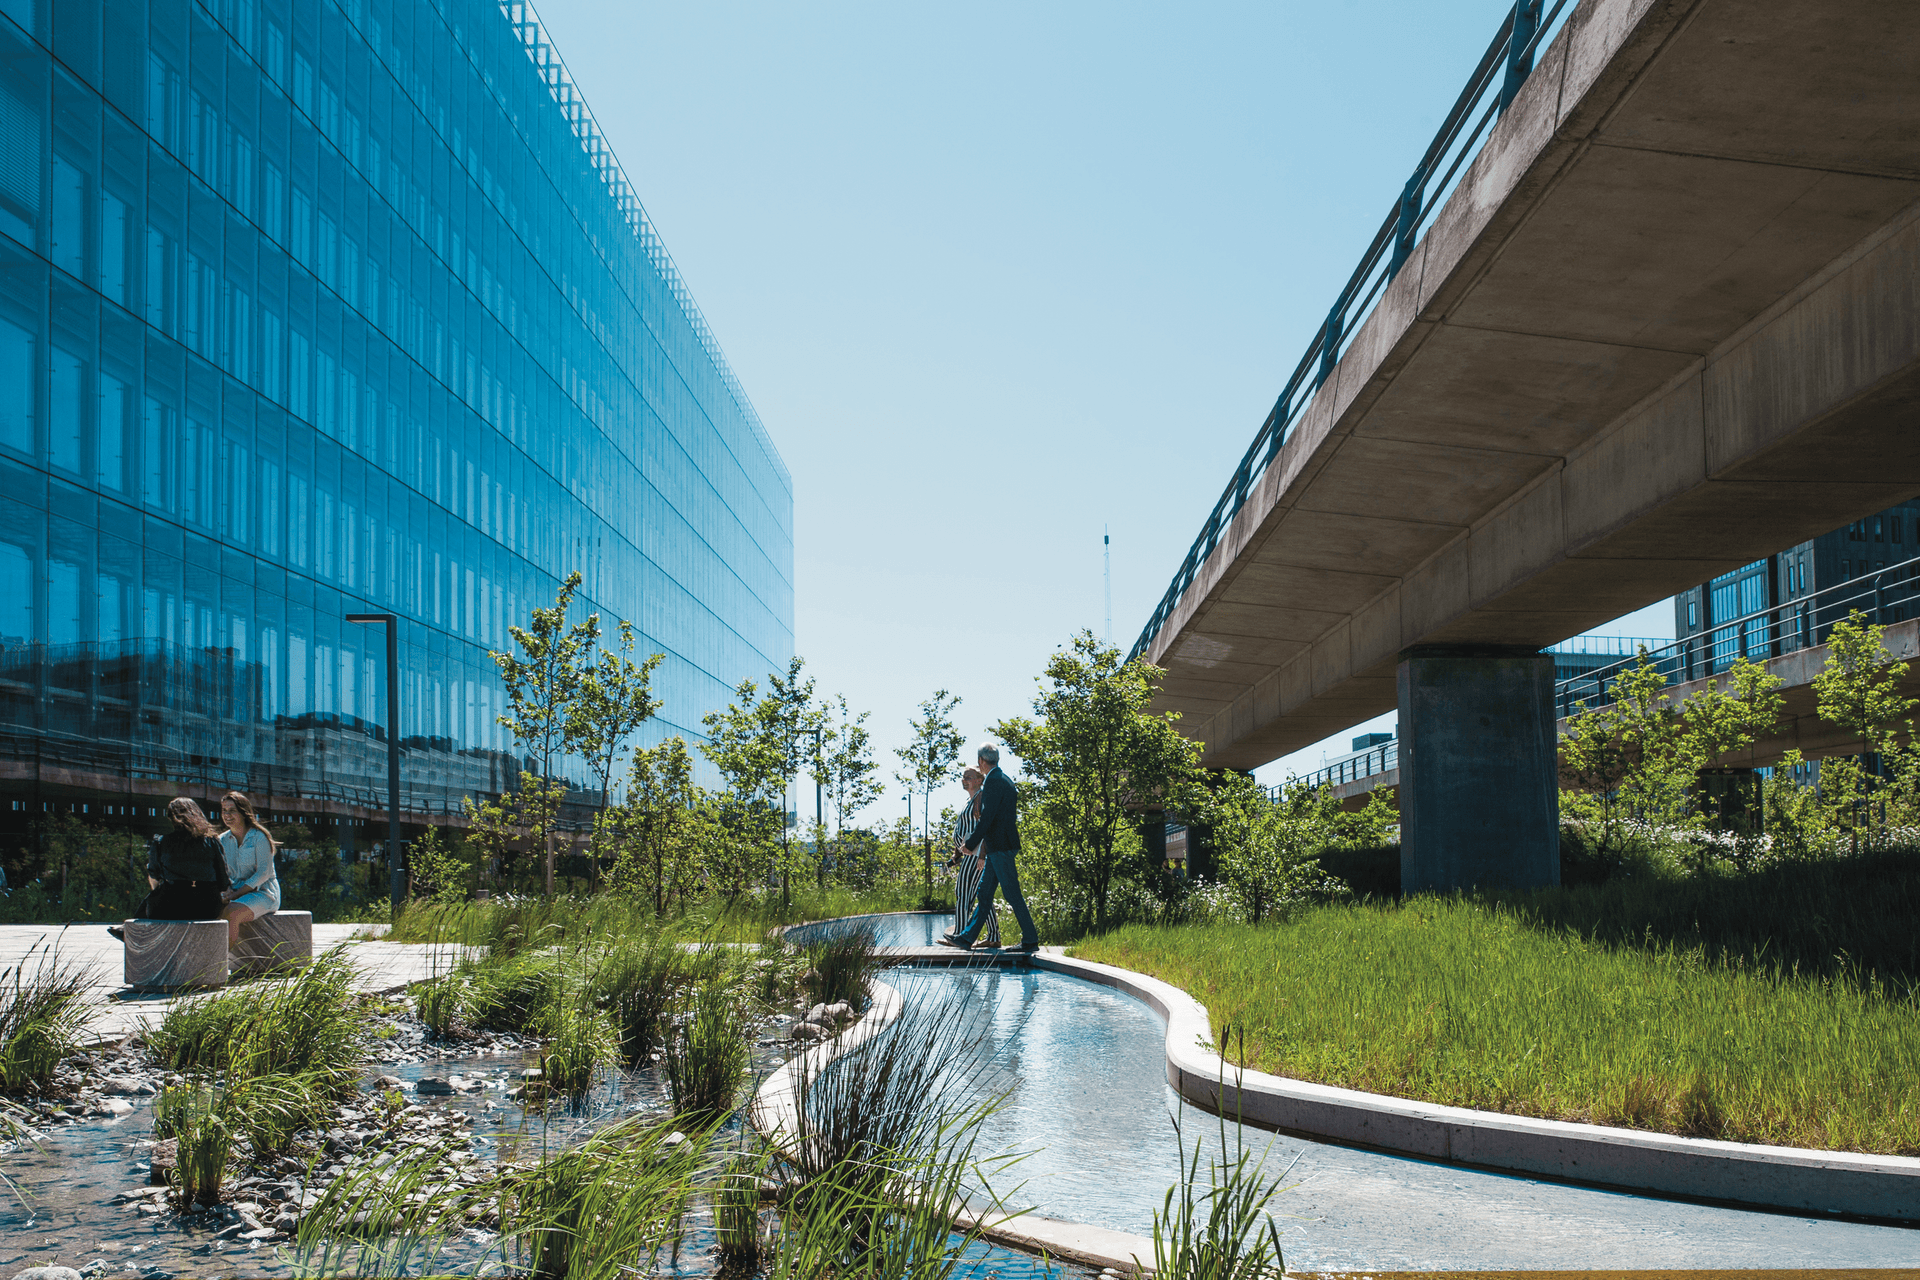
(255, 890)
(185, 869)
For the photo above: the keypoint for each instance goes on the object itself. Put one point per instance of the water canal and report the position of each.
(1084, 1070)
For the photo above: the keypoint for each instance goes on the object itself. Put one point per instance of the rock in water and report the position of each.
(433, 1087)
(126, 1087)
(166, 1156)
(47, 1273)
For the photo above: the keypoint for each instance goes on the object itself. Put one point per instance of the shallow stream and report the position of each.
(72, 1180)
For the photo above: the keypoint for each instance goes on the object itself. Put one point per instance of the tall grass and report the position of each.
(1473, 1003)
(707, 1056)
(1224, 1229)
(879, 1185)
(264, 1063)
(512, 924)
(841, 964)
(43, 1012)
(314, 1021)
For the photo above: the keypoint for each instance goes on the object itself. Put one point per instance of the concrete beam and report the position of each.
(1668, 323)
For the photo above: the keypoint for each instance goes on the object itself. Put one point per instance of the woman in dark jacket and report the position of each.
(185, 868)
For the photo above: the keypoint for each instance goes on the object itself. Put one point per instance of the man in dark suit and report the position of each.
(997, 837)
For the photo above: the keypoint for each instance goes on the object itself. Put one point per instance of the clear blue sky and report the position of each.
(997, 275)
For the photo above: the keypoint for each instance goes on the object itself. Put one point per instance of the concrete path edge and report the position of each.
(1846, 1183)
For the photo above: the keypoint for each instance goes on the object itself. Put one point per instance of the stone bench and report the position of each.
(172, 955)
(279, 940)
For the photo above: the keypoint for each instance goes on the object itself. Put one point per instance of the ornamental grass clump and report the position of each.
(42, 1013)
(313, 1023)
(638, 982)
(886, 1183)
(707, 1055)
(579, 1041)
(204, 1139)
(842, 964)
(736, 1209)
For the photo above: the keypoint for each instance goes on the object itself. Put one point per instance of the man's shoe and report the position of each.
(986, 946)
(949, 940)
(1027, 948)
(117, 933)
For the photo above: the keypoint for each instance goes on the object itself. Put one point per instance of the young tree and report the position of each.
(658, 827)
(542, 686)
(791, 720)
(1859, 690)
(929, 760)
(1097, 753)
(843, 765)
(1641, 757)
(615, 698)
(744, 742)
(1269, 849)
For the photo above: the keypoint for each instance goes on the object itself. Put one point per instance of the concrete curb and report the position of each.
(775, 1113)
(1790, 1178)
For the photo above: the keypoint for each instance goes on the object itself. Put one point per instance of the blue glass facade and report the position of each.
(316, 307)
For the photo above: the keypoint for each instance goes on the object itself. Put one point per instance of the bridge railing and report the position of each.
(1489, 91)
(1384, 758)
(1885, 596)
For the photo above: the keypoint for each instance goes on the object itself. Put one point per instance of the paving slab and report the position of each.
(118, 1010)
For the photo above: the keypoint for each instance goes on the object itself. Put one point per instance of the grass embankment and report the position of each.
(1569, 1005)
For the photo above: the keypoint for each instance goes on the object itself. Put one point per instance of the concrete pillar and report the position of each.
(1479, 787)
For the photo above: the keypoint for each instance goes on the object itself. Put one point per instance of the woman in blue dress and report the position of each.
(255, 888)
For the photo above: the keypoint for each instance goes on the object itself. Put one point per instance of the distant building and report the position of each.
(1853, 551)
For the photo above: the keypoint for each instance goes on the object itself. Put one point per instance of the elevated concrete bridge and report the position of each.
(1667, 322)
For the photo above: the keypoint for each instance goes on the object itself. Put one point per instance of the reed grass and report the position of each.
(311, 1023)
(43, 1013)
(841, 964)
(440, 1003)
(1222, 1229)
(707, 1056)
(1472, 1003)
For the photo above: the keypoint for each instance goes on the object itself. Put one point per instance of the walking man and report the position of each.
(997, 837)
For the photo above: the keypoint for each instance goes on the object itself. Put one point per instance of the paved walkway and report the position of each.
(383, 966)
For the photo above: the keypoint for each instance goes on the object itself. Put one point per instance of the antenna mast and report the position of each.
(1106, 564)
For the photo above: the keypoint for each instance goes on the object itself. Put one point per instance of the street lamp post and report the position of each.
(396, 878)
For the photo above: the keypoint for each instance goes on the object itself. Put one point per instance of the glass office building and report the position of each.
(320, 307)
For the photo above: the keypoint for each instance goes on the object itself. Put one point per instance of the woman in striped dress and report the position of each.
(966, 884)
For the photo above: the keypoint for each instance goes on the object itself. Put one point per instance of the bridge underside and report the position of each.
(1668, 323)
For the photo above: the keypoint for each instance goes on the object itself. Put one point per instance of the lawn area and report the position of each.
(1506, 1006)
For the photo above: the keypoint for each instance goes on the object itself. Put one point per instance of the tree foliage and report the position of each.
(1095, 756)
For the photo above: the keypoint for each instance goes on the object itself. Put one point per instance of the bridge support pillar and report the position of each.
(1479, 791)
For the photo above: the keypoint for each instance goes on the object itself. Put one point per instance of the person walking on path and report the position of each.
(966, 881)
(186, 870)
(248, 848)
(998, 840)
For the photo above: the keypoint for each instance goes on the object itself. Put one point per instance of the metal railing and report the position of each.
(1490, 90)
(1384, 758)
(1885, 596)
